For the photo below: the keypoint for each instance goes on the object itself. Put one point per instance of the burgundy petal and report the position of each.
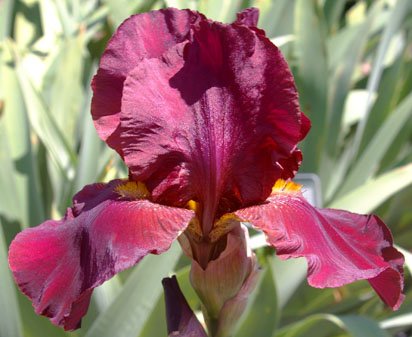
(109, 229)
(140, 37)
(181, 320)
(340, 247)
(214, 118)
(248, 17)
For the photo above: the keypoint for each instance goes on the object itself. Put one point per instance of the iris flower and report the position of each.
(206, 117)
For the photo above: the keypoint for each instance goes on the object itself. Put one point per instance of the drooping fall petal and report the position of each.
(340, 247)
(110, 228)
(215, 118)
(181, 320)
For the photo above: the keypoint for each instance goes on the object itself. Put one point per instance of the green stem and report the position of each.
(211, 323)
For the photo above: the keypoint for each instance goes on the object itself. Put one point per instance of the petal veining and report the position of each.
(140, 37)
(340, 247)
(214, 119)
(58, 263)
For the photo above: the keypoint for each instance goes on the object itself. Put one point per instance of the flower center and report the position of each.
(132, 190)
(206, 248)
(286, 186)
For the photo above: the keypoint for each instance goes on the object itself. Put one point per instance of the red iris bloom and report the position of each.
(206, 117)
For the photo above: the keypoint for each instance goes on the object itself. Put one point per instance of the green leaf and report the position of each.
(26, 23)
(120, 10)
(377, 147)
(399, 151)
(333, 10)
(307, 300)
(18, 134)
(6, 10)
(183, 277)
(327, 325)
(385, 102)
(316, 325)
(374, 192)
(106, 294)
(359, 326)
(10, 320)
(220, 10)
(87, 171)
(261, 315)
(66, 19)
(397, 321)
(128, 314)
(285, 285)
(95, 23)
(65, 93)
(51, 24)
(348, 46)
(311, 77)
(276, 16)
(44, 125)
(400, 10)
(156, 323)
(10, 206)
(350, 50)
(354, 102)
(339, 168)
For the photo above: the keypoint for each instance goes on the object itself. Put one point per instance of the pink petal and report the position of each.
(340, 247)
(140, 37)
(215, 118)
(58, 263)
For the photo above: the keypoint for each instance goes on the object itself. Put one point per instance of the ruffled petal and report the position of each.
(110, 228)
(248, 17)
(140, 37)
(215, 118)
(340, 247)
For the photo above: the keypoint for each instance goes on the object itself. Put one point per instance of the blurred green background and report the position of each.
(352, 61)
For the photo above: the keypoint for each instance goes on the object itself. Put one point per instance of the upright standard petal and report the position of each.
(215, 119)
(340, 247)
(110, 228)
(140, 37)
(248, 17)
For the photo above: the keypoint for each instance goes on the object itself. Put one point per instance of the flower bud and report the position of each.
(181, 321)
(226, 282)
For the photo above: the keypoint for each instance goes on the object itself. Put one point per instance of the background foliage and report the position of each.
(352, 62)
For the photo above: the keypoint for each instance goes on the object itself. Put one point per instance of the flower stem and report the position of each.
(211, 322)
(212, 325)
